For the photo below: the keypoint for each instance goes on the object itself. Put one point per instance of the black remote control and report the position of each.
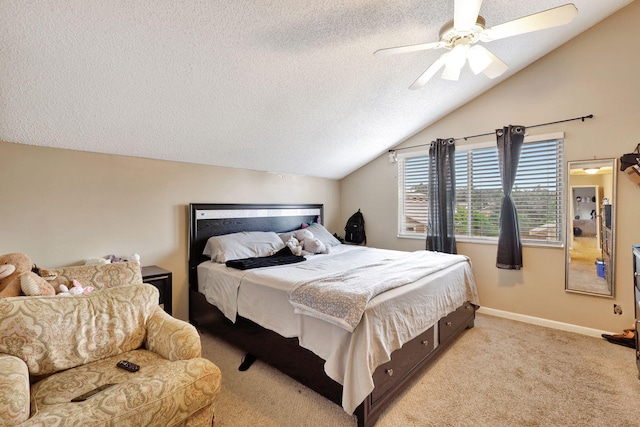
(91, 393)
(128, 366)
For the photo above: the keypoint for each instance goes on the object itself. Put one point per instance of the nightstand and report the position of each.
(161, 279)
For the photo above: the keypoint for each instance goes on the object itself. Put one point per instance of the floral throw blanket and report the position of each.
(341, 298)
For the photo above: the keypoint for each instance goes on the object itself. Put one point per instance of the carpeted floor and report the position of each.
(500, 373)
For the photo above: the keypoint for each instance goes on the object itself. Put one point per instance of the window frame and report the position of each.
(560, 195)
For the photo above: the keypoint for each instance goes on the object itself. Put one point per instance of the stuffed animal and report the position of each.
(134, 257)
(303, 234)
(310, 244)
(76, 289)
(315, 246)
(113, 258)
(294, 245)
(16, 277)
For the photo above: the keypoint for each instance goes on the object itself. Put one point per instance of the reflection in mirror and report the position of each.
(590, 235)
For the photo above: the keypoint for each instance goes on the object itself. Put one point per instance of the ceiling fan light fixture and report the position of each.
(478, 59)
(455, 60)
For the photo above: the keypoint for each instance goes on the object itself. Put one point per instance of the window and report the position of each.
(537, 192)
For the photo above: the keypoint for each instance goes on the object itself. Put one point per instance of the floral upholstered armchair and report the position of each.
(56, 348)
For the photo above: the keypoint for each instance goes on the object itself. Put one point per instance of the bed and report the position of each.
(359, 365)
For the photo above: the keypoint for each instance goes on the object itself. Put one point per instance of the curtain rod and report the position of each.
(590, 116)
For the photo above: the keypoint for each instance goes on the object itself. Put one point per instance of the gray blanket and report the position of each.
(342, 298)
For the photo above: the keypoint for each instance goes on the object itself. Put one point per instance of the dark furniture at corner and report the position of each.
(636, 292)
(161, 279)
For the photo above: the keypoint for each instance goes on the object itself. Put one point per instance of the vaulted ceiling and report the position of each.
(281, 86)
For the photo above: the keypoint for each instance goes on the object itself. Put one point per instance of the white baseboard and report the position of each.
(543, 322)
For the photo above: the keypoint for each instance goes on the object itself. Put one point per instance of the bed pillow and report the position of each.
(322, 234)
(246, 244)
(318, 231)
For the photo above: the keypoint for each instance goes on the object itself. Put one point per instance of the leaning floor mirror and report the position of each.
(591, 227)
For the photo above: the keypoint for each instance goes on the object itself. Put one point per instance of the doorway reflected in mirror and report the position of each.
(591, 188)
(585, 263)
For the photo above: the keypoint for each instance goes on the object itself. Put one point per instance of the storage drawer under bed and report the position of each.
(402, 362)
(453, 322)
(409, 357)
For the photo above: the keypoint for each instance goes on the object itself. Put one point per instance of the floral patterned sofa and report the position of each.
(55, 348)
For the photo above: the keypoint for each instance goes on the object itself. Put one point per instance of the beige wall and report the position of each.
(596, 73)
(61, 207)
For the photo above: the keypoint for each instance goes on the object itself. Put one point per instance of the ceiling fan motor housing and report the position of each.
(449, 35)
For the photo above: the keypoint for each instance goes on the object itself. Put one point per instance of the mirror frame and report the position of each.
(581, 164)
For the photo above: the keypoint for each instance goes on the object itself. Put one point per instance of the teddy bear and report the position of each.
(309, 243)
(16, 277)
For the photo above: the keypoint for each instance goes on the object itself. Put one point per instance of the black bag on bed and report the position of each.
(354, 230)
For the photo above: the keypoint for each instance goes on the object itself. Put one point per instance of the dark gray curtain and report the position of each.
(441, 233)
(510, 141)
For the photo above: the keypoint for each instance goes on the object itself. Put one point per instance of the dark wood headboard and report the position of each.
(212, 219)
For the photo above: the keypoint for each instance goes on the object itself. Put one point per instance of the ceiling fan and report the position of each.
(467, 28)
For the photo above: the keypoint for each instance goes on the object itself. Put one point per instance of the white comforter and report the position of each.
(389, 319)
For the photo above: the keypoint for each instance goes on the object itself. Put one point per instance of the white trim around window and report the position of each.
(538, 192)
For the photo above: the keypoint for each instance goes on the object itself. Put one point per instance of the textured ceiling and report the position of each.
(280, 86)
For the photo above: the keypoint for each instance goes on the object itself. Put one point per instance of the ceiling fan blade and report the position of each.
(538, 21)
(465, 14)
(451, 73)
(497, 66)
(430, 72)
(407, 49)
